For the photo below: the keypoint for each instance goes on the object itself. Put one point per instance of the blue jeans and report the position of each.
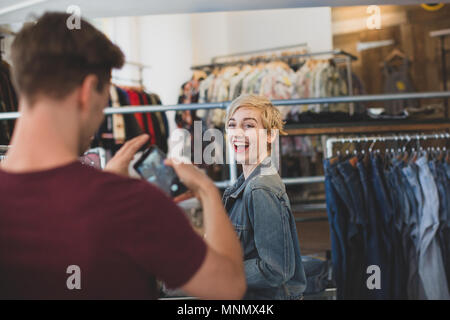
(356, 262)
(337, 215)
(431, 266)
(441, 184)
(410, 233)
(385, 222)
(373, 243)
(316, 272)
(398, 261)
(444, 183)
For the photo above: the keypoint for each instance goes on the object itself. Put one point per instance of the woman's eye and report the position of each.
(248, 126)
(231, 125)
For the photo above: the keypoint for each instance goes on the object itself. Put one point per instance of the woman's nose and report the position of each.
(236, 132)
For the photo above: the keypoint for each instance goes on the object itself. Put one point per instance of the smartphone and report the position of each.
(151, 167)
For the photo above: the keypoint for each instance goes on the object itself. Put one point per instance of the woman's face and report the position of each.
(247, 136)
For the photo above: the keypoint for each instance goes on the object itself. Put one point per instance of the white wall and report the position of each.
(274, 28)
(171, 44)
(224, 33)
(162, 42)
(210, 32)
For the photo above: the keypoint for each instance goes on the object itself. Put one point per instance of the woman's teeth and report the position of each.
(240, 147)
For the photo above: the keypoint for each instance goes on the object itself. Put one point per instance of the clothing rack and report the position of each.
(223, 105)
(339, 56)
(408, 137)
(336, 52)
(300, 45)
(280, 103)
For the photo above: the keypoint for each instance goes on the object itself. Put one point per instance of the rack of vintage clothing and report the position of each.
(388, 204)
(190, 90)
(8, 97)
(274, 78)
(118, 128)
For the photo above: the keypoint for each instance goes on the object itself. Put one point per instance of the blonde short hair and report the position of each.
(270, 115)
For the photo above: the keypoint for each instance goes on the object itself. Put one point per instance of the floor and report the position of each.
(314, 236)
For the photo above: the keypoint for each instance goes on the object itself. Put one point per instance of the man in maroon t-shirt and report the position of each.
(68, 231)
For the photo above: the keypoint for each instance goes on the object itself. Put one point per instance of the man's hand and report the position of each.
(121, 160)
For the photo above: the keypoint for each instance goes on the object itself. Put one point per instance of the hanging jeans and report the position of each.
(445, 182)
(441, 184)
(356, 261)
(410, 233)
(398, 261)
(384, 211)
(373, 243)
(431, 266)
(336, 211)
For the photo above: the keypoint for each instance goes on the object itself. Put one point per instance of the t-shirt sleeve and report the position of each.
(158, 237)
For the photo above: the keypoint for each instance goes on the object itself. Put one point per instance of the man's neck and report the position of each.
(44, 138)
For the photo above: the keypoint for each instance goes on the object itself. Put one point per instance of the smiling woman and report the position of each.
(258, 205)
(253, 124)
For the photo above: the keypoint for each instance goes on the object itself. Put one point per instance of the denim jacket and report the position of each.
(261, 214)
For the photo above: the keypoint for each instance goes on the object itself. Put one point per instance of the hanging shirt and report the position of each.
(118, 121)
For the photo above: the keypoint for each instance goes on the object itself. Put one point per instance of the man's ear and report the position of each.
(87, 88)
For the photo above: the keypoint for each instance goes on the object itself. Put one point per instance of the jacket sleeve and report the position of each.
(269, 217)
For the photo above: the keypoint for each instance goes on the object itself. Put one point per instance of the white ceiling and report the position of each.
(13, 11)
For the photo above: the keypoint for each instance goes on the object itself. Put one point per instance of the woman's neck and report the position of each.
(247, 169)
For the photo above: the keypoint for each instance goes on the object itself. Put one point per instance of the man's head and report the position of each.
(71, 66)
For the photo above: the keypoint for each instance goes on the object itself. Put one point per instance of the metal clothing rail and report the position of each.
(335, 52)
(280, 103)
(246, 53)
(408, 137)
(223, 105)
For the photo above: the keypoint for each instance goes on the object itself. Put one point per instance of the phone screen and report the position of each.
(152, 168)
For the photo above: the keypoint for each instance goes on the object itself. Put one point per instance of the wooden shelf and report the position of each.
(368, 127)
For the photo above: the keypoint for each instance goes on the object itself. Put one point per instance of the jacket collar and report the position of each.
(238, 187)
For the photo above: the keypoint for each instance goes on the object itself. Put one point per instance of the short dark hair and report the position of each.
(51, 59)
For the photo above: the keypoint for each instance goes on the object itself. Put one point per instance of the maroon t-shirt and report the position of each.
(120, 232)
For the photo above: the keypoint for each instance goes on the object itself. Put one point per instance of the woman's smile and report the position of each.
(240, 147)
